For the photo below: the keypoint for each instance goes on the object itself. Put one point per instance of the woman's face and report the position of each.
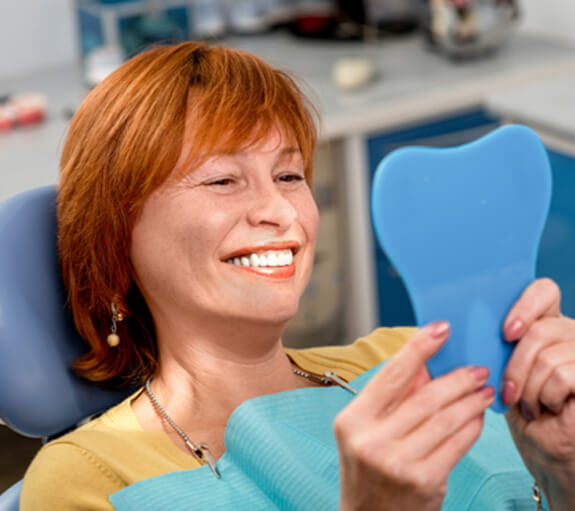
(231, 240)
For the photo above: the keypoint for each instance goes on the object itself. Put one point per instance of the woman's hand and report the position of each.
(402, 436)
(539, 384)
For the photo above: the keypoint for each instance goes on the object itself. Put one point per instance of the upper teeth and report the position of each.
(269, 258)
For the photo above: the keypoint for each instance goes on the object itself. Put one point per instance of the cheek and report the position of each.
(311, 220)
(158, 239)
(149, 250)
(308, 214)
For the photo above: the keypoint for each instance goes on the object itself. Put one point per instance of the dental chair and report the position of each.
(40, 396)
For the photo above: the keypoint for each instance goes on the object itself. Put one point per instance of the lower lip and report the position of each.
(276, 272)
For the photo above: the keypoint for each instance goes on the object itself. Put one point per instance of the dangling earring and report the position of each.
(114, 338)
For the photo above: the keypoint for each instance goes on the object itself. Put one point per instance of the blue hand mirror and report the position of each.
(462, 227)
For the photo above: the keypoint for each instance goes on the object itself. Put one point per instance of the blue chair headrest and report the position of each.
(41, 396)
(10, 499)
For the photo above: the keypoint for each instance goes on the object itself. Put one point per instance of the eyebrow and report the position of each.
(285, 151)
(289, 150)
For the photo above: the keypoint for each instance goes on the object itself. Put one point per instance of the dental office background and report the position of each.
(40, 34)
(353, 287)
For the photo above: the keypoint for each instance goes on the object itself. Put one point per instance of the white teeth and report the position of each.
(271, 258)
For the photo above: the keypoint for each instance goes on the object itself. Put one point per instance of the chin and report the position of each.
(270, 316)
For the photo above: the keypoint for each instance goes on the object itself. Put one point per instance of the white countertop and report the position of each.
(547, 105)
(411, 84)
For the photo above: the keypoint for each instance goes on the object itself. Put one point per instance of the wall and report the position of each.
(35, 34)
(552, 18)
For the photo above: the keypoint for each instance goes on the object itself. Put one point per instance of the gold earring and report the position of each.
(113, 338)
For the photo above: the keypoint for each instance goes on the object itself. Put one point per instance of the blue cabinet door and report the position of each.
(556, 258)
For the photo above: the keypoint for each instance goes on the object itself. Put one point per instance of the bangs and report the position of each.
(238, 101)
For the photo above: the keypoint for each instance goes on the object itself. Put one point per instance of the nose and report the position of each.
(268, 206)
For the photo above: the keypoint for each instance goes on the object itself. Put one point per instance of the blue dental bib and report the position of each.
(281, 454)
(462, 227)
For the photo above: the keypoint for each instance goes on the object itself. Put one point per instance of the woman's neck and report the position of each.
(201, 381)
(213, 384)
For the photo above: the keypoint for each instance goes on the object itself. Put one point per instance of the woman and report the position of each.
(186, 235)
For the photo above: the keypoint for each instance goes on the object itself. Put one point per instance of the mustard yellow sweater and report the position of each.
(78, 471)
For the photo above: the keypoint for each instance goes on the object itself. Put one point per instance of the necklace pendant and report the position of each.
(328, 378)
(330, 375)
(312, 377)
(207, 456)
(201, 452)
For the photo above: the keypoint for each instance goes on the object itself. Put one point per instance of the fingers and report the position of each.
(422, 437)
(550, 381)
(543, 334)
(423, 421)
(434, 398)
(387, 388)
(404, 433)
(426, 456)
(559, 387)
(456, 446)
(449, 421)
(546, 350)
(541, 298)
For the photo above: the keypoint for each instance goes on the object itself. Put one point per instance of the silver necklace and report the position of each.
(201, 451)
(328, 378)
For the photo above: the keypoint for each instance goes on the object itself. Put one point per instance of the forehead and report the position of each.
(196, 149)
(276, 140)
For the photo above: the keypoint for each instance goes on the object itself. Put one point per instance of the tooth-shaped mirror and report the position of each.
(462, 227)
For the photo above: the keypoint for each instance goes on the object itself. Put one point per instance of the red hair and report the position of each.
(123, 143)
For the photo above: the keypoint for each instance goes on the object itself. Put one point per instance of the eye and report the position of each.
(291, 178)
(224, 181)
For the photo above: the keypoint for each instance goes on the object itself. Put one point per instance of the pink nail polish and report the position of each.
(479, 373)
(514, 329)
(439, 329)
(488, 393)
(508, 392)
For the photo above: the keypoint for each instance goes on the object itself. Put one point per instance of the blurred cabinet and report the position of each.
(319, 318)
(547, 105)
(557, 250)
(131, 25)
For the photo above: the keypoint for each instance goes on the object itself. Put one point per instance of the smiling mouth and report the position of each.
(265, 259)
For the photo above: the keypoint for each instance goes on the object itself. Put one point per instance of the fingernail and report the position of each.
(439, 329)
(514, 329)
(479, 373)
(508, 392)
(526, 411)
(488, 393)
